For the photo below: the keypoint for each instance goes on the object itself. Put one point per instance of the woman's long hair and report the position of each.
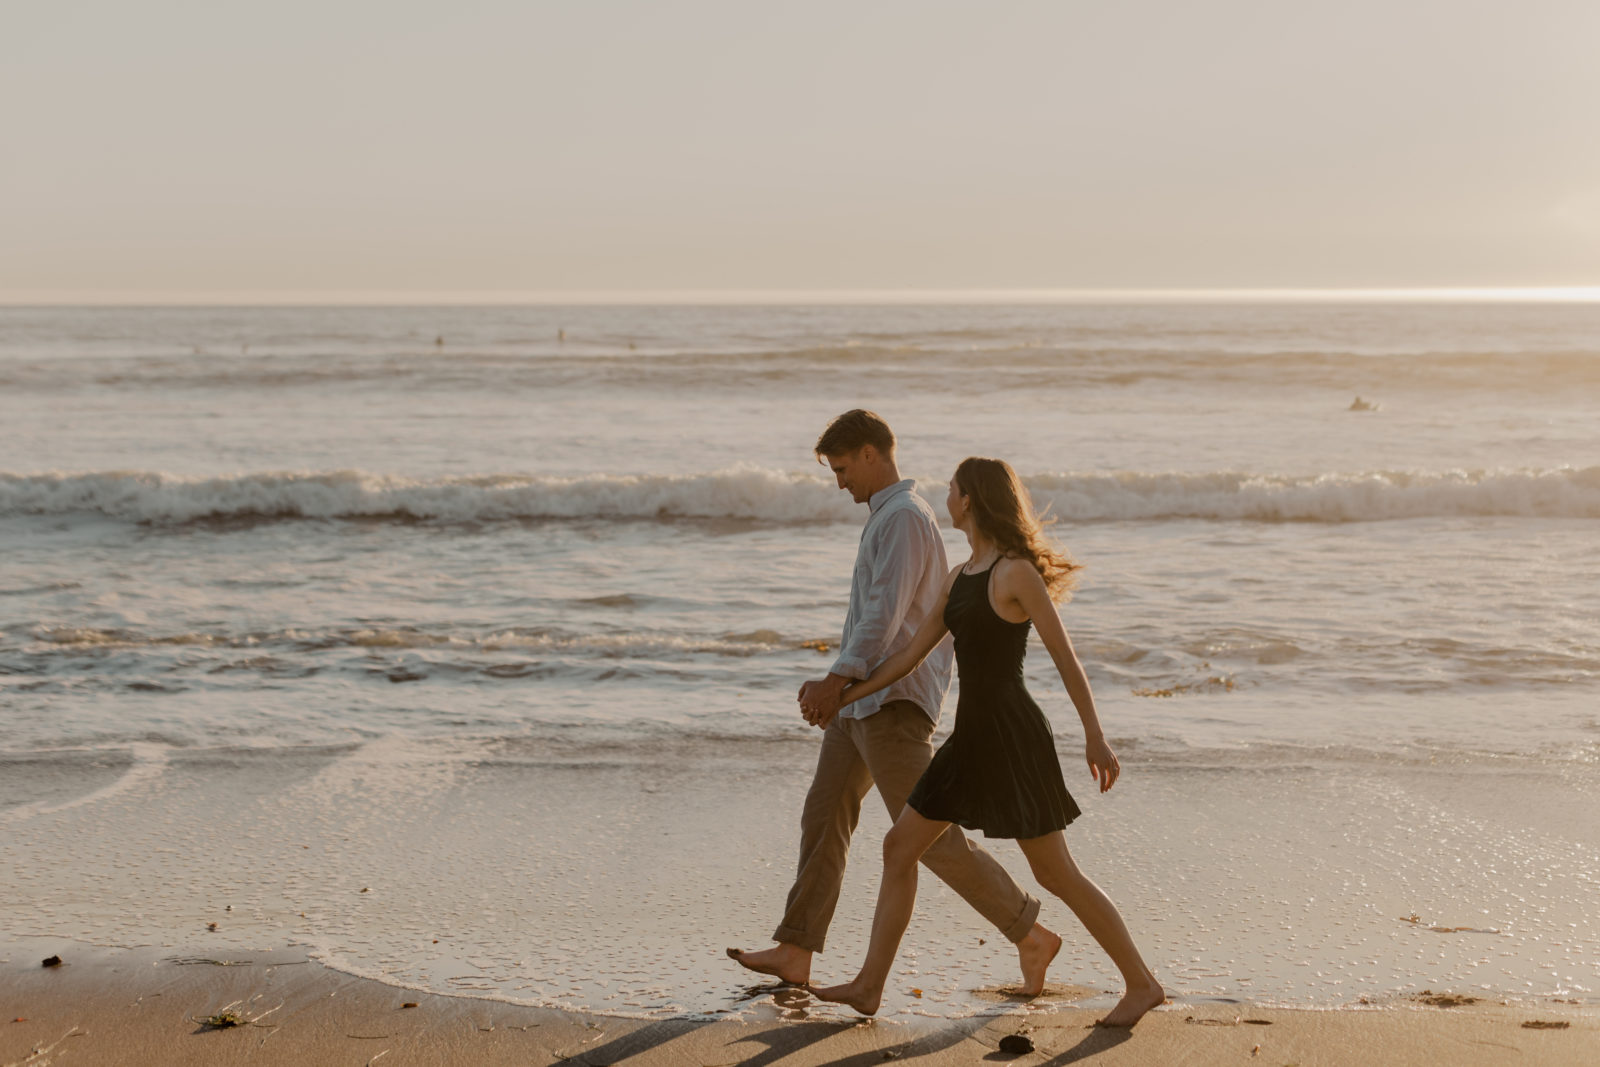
(1003, 512)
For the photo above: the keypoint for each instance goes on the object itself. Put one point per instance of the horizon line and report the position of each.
(757, 297)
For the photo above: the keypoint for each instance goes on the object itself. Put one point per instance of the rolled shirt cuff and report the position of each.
(850, 667)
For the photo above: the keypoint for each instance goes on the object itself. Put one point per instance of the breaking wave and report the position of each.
(754, 494)
(613, 645)
(141, 496)
(1369, 496)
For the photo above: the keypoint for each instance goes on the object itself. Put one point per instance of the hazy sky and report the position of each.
(664, 144)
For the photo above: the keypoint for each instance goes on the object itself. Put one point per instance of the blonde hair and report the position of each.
(1003, 512)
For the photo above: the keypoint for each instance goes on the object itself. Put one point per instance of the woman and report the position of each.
(998, 770)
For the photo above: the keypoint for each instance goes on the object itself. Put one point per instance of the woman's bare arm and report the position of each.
(1018, 585)
(903, 662)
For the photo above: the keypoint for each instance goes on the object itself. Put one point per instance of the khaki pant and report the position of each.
(891, 748)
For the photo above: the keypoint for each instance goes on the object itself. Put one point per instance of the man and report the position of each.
(883, 739)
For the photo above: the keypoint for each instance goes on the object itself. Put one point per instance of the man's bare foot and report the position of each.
(855, 994)
(1134, 1003)
(783, 961)
(1036, 951)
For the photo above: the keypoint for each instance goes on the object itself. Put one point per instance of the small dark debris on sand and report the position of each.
(51, 961)
(1446, 1000)
(1015, 1044)
(1416, 920)
(223, 1020)
(1545, 1024)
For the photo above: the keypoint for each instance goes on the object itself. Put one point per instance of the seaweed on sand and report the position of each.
(232, 1015)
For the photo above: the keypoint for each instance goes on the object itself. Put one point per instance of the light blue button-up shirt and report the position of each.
(900, 568)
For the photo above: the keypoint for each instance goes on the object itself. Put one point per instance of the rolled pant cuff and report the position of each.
(813, 942)
(1019, 929)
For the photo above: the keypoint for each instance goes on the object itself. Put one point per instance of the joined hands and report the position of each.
(820, 700)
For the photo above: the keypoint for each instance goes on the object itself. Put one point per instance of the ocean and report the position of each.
(460, 644)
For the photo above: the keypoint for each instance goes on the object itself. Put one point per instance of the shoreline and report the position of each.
(606, 879)
(146, 1005)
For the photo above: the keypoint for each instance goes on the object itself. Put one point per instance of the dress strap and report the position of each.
(988, 596)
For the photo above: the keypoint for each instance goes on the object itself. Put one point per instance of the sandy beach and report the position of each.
(138, 1007)
(514, 956)
(430, 542)
(482, 708)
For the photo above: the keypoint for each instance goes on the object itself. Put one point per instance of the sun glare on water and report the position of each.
(756, 297)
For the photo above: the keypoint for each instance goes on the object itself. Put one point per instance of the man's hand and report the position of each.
(819, 699)
(805, 700)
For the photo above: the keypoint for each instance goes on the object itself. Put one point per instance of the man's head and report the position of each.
(858, 447)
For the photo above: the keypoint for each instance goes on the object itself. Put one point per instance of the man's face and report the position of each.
(854, 472)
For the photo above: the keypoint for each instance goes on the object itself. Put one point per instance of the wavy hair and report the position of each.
(853, 431)
(1003, 512)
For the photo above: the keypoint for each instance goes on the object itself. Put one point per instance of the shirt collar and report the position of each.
(881, 497)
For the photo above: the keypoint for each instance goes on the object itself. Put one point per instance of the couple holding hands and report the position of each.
(997, 772)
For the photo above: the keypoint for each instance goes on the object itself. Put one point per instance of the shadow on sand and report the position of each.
(1099, 1039)
(798, 1031)
(784, 1041)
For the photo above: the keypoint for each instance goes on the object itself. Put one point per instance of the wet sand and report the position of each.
(608, 878)
(147, 1007)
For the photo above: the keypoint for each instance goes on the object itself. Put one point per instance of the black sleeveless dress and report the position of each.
(997, 772)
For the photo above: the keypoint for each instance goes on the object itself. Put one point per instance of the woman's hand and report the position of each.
(1103, 765)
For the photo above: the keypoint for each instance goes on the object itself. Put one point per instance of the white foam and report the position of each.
(1367, 496)
(147, 496)
(149, 764)
(615, 644)
(785, 497)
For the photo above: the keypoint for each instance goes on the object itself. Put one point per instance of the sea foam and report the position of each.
(763, 495)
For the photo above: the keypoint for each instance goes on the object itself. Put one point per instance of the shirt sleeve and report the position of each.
(905, 550)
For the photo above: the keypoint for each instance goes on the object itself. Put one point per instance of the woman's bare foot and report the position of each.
(783, 961)
(1134, 1003)
(1036, 951)
(855, 994)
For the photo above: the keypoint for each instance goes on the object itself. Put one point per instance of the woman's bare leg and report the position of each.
(903, 846)
(1053, 866)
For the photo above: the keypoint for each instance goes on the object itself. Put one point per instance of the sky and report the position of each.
(611, 145)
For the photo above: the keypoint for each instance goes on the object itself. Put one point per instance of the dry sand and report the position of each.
(147, 1006)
